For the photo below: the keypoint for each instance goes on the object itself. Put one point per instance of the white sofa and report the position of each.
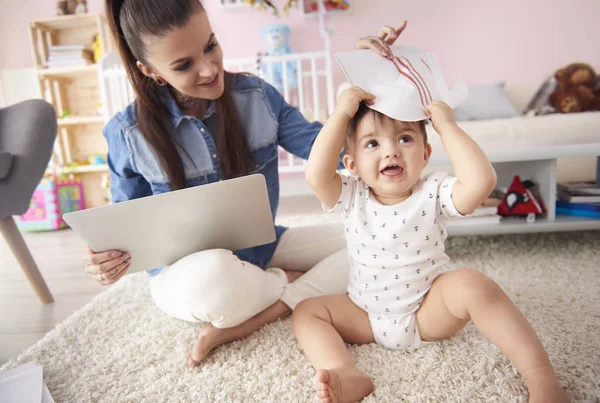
(543, 130)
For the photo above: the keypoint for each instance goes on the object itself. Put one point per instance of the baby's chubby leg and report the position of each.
(322, 325)
(461, 295)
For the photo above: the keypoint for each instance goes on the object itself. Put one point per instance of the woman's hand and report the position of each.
(106, 267)
(381, 43)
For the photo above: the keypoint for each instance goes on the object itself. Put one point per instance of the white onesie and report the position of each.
(395, 252)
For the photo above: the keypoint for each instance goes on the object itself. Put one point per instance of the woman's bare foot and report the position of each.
(544, 387)
(342, 385)
(210, 337)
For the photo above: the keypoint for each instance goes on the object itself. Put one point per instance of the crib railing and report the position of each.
(313, 77)
(310, 89)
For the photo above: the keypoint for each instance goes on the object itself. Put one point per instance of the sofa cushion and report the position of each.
(486, 101)
(561, 128)
(5, 163)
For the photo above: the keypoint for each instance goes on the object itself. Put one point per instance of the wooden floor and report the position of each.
(24, 320)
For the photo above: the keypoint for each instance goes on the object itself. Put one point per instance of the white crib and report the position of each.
(314, 95)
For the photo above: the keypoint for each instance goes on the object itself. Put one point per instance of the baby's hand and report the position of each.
(350, 99)
(441, 115)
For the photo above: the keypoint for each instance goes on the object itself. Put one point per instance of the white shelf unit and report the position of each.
(74, 93)
(529, 161)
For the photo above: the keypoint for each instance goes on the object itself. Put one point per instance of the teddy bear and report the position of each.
(277, 38)
(67, 7)
(578, 89)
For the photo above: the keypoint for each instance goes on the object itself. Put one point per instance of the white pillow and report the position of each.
(486, 101)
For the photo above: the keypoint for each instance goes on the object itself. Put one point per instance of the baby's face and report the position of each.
(389, 156)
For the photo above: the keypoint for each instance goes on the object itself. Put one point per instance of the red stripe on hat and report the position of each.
(416, 81)
(395, 60)
(422, 81)
(426, 65)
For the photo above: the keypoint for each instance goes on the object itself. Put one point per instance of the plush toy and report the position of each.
(97, 48)
(575, 90)
(521, 199)
(61, 7)
(311, 6)
(289, 4)
(66, 7)
(81, 7)
(339, 4)
(277, 38)
(263, 5)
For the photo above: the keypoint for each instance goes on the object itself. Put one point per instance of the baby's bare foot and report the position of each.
(544, 387)
(342, 385)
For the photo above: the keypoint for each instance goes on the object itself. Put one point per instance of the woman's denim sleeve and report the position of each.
(296, 134)
(125, 182)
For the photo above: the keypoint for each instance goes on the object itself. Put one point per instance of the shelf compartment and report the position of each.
(80, 120)
(65, 30)
(66, 22)
(67, 72)
(82, 169)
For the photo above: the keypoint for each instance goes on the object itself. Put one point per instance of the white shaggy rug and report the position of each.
(120, 347)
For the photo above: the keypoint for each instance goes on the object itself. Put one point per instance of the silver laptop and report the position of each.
(159, 230)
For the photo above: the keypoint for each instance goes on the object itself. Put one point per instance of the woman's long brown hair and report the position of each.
(129, 21)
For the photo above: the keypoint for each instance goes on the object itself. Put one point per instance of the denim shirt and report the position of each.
(268, 121)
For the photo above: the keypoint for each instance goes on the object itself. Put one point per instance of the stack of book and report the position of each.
(69, 56)
(578, 198)
(487, 213)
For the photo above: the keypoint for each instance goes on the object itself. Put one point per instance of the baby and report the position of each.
(401, 293)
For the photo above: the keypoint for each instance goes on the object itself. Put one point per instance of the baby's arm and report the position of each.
(476, 176)
(322, 164)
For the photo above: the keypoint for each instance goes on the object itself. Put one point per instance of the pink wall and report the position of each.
(514, 40)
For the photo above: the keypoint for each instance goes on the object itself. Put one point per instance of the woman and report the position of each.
(193, 123)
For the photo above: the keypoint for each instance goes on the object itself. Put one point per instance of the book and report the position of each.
(70, 63)
(484, 211)
(578, 206)
(579, 188)
(70, 56)
(67, 48)
(470, 220)
(491, 202)
(577, 212)
(80, 56)
(578, 209)
(571, 198)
